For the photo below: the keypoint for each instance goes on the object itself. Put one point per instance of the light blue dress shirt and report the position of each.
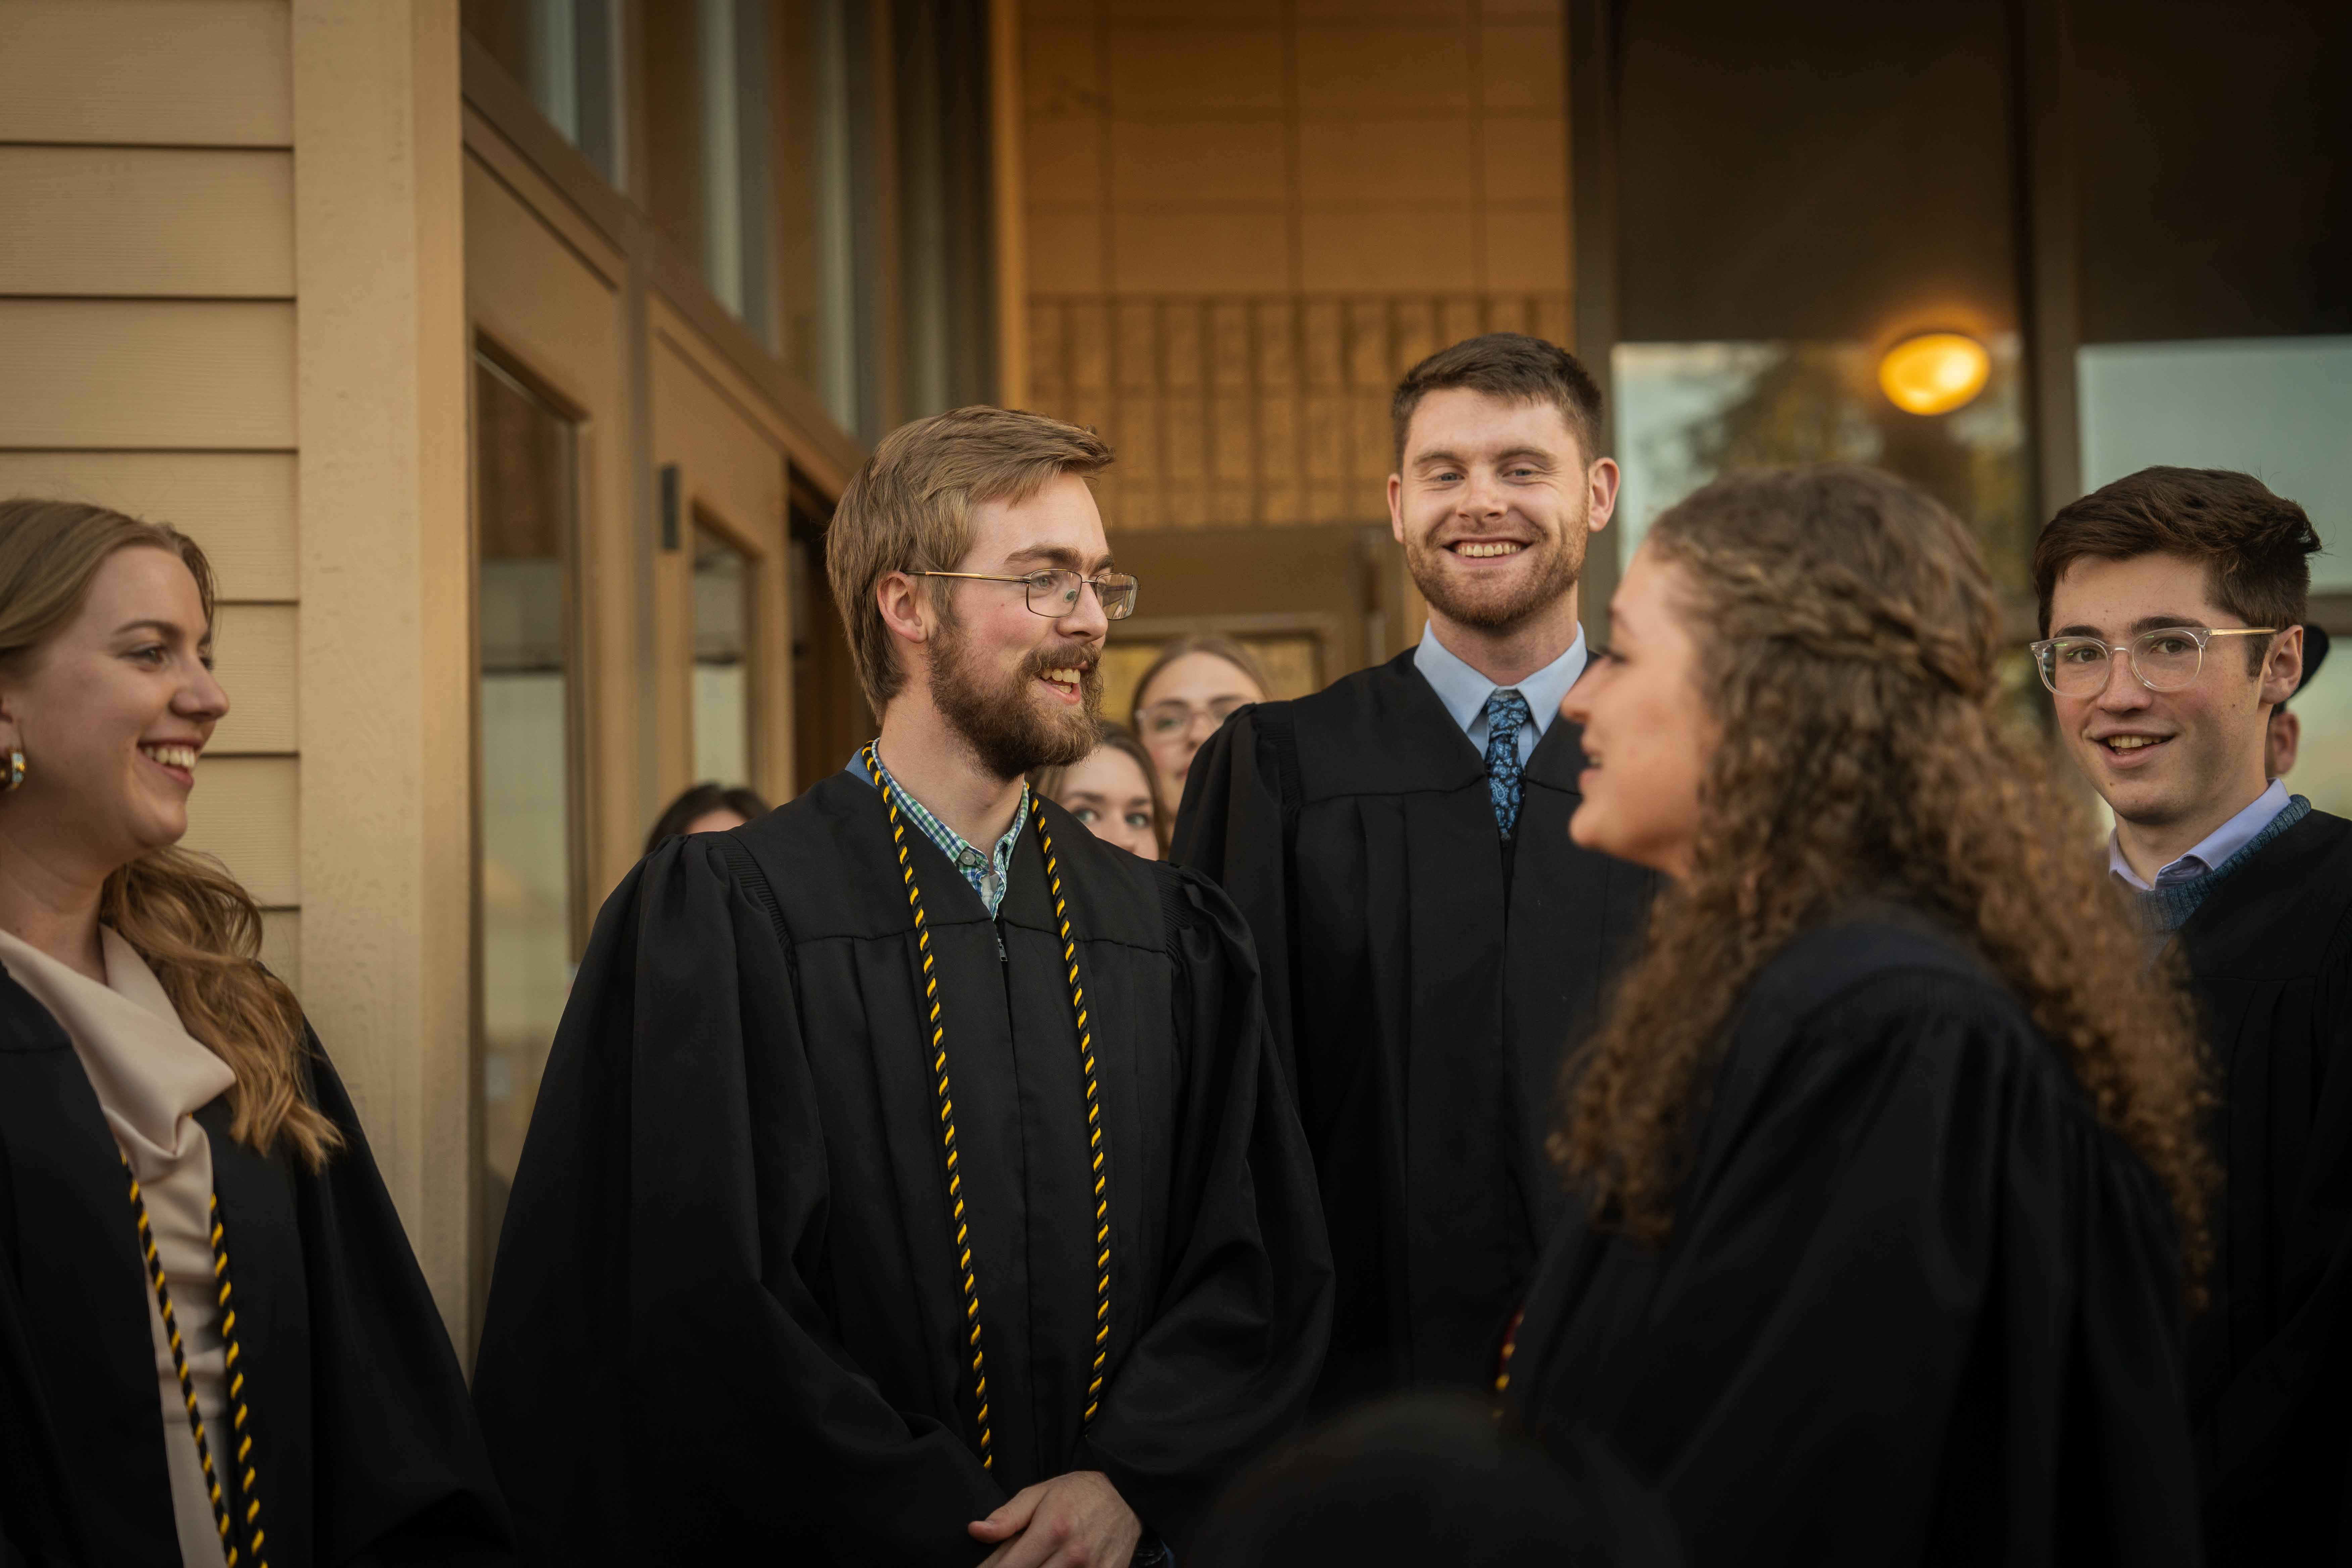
(1464, 691)
(2213, 850)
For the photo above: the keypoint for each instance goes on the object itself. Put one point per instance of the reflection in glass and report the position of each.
(529, 880)
(722, 661)
(564, 53)
(2271, 407)
(1689, 412)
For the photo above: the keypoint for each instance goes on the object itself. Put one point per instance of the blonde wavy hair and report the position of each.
(197, 928)
(1846, 634)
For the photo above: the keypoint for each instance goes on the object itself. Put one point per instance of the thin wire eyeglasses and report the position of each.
(2166, 659)
(1172, 714)
(1054, 593)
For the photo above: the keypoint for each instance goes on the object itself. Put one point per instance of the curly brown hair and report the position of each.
(1846, 632)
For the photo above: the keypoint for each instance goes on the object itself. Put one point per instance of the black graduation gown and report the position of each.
(1918, 1306)
(1422, 993)
(2270, 1378)
(726, 1305)
(364, 1445)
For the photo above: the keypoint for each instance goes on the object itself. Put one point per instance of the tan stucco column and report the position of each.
(384, 650)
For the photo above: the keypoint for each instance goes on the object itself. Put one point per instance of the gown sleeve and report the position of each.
(1926, 1308)
(1224, 1368)
(658, 1378)
(400, 1472)
(1234, 827)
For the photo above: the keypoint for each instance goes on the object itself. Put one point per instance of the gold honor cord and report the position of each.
(947, 1113)
(239, 1416)
(1094, 1117)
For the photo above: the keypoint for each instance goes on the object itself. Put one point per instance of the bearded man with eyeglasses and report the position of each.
(912, 1181)
(2171, 606)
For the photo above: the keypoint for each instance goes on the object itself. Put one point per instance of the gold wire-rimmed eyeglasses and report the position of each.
(2166, 659)
(1054, 593)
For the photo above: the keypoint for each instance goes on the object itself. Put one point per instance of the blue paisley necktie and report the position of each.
(1507, 715)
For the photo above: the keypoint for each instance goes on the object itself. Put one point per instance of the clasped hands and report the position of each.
(1077, 1520)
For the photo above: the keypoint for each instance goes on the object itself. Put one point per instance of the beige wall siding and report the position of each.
(215, 222)
(159, 229)
(147, 322)
(147, 73)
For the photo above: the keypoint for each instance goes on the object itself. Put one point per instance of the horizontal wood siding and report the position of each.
(148, 331)
(253, 653)
(244, 810)
(154, 73)
(148, 220)
(142, 373)
(238, 505)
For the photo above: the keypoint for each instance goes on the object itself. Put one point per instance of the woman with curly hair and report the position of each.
(215, 1346)
(1892, 1191)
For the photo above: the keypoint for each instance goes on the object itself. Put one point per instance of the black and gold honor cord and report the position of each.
(956, 1212)
(239, 1418)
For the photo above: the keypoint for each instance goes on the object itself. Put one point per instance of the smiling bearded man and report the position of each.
(912, 1181)
(1432, 941)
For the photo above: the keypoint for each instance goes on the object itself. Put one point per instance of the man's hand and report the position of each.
(1078, 1521)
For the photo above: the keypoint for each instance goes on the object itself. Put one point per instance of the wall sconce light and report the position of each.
(1934, 372)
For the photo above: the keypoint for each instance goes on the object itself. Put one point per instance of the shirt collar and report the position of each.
(1463, 691)
(2213, 850)
(988, 874)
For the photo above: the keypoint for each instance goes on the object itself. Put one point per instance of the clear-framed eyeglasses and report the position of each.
(1055, 592)
(1173, 716)
(2166, 659)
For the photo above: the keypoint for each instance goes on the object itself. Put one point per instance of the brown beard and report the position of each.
(1000, 719)
(1559, 561)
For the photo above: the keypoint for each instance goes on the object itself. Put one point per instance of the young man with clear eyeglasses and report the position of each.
(2171, 606)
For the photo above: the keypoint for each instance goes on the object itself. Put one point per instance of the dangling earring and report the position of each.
(15, 770)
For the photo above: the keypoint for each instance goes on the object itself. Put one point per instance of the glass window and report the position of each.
(529, 872)
(722, 660)
(1689, 412)
(2273, 407)
(566, 53)
(2322, 763)
(710, 78)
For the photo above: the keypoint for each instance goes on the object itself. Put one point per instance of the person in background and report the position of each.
(1187, 690)
(1114, 791)
(2171, 606)
(706, 808)
(169, 1128)
(1431, 941)
(1892, 1192)
(2283, 742)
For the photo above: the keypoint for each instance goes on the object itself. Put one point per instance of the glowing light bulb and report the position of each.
(1934, 372)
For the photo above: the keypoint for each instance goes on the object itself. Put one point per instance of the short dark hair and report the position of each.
(1510, 366)
(700, 800)
(2254, 545)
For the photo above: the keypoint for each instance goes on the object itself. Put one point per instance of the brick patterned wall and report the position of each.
(1246, 217)
(1266, 408)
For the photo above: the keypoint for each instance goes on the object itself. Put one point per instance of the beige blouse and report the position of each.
(151, 1077)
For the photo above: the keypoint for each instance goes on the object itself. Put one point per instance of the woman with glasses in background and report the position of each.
(216, 1345)
(1192, 687)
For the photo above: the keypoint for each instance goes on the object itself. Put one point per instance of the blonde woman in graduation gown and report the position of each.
(215, 1346)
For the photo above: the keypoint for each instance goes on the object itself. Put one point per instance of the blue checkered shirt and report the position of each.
(987, 874)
